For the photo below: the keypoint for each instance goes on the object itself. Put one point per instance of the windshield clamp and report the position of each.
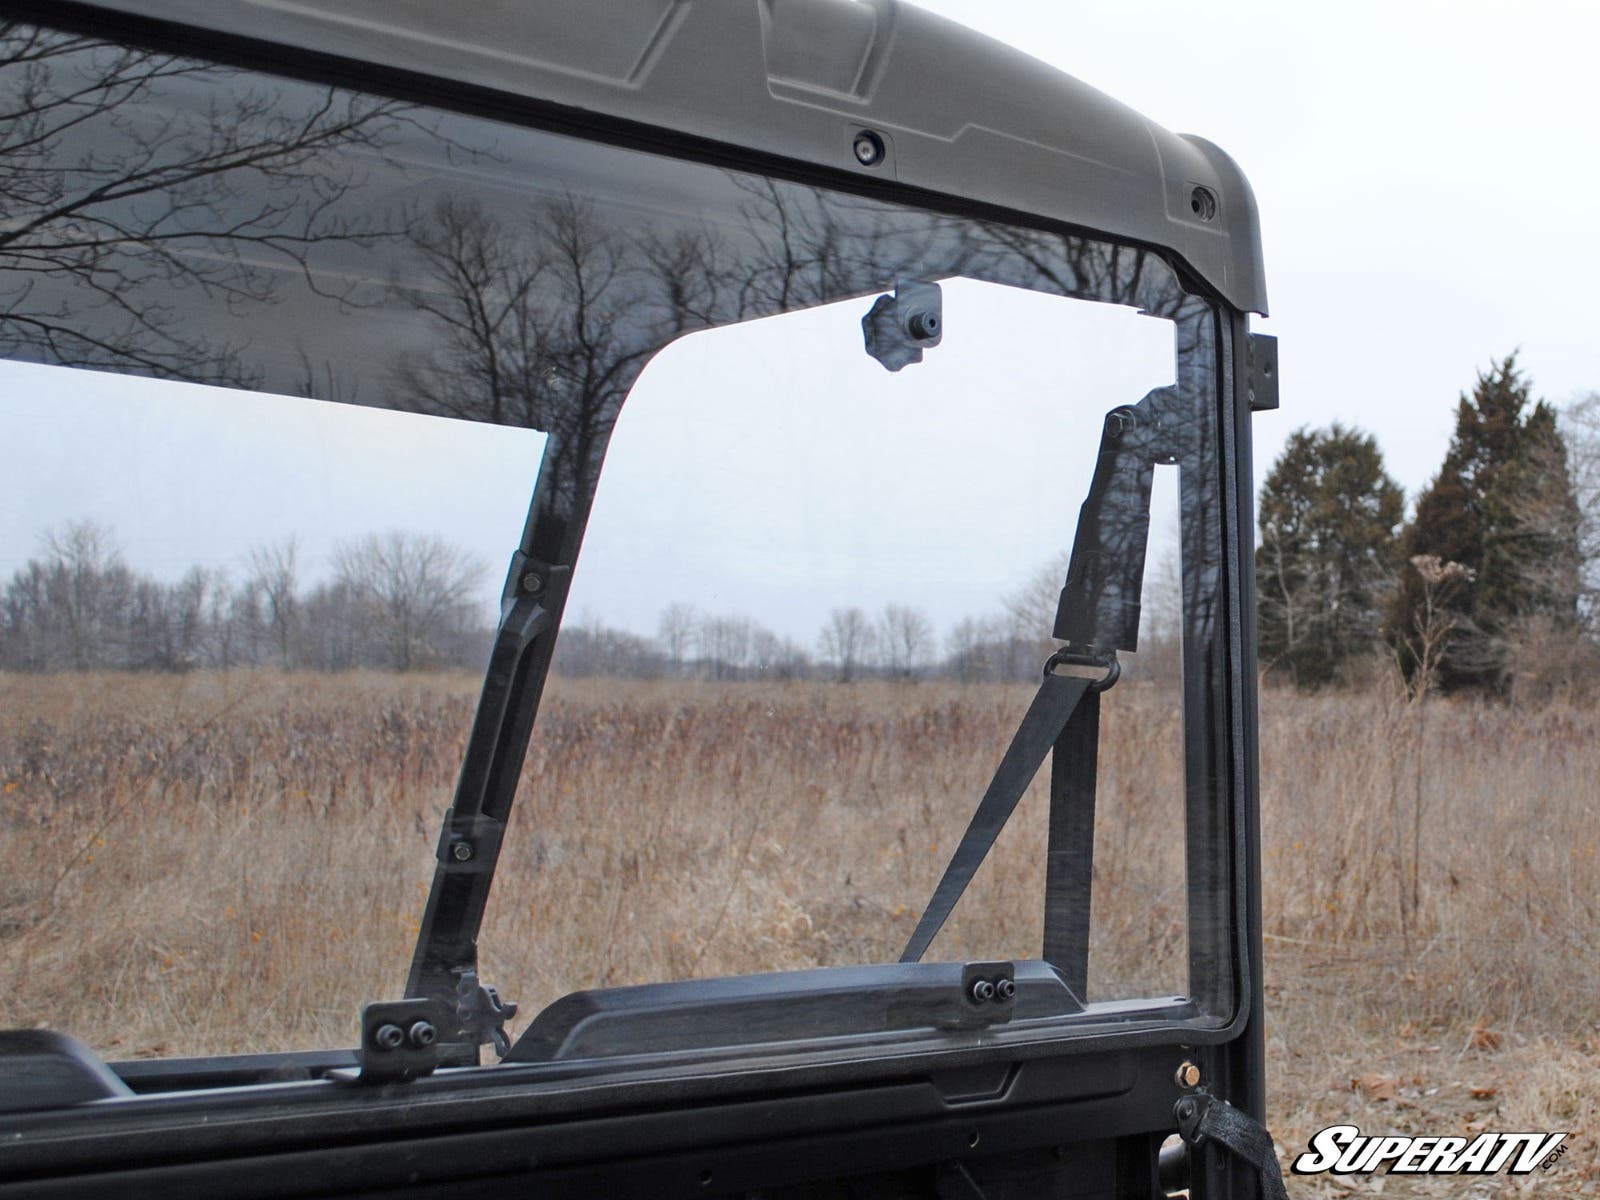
(469, 845)
(482, 1014)
(399, 1039)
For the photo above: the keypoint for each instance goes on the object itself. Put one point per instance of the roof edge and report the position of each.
(956, 112)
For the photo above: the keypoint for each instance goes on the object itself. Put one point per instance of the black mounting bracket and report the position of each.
(399, 1039)
(990, 988)
(469, 845)
(481, 1013)
(1261, 371)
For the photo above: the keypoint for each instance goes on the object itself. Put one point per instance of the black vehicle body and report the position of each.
(871, 1080)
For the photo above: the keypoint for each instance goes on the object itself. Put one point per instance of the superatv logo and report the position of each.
(1345, 1150)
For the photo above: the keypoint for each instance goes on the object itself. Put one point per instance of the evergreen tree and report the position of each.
(1503, 507)
(1330, 517)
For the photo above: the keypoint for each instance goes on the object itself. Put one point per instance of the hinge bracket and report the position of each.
(1261, 371)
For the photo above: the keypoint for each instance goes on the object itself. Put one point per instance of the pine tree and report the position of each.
(1503, 507)
(1330, 518)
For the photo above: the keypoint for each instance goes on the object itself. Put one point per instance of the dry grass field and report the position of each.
(212, 863)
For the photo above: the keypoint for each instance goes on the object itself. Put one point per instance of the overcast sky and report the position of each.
(1427, 175)
(1427, 181)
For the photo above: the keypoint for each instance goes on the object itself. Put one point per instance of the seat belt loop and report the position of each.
(1202, 1116)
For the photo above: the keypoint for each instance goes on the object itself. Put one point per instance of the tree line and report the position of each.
(898, 642)
(1490, 586)
(399, 601)
(405, 601)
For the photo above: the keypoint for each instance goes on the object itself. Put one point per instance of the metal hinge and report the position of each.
(1261, 371)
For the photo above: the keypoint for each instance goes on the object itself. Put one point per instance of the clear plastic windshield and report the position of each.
(845, 444)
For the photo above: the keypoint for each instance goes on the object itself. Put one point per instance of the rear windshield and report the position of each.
(283, 365)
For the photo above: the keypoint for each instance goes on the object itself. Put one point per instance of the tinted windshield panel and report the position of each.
(195, 224)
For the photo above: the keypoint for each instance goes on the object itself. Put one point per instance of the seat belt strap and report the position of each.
(1202, 1116)
(1069, 857)
(1042, 725)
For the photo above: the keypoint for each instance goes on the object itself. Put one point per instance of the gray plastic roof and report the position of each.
(958, 113)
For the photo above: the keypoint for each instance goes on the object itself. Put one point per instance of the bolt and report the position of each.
(461, 851)
(532, 583)
(422, 1034)
(1188, 1075)
(389, 1037)
(1119, 421)
(1004, 989)
(1185, 1109)
(982, 991)
(868, 148)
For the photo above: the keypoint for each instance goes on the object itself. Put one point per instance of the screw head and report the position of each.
(422, 1034)
(982, 991)
(868, 148)
(461, 851)
(1187, 1076)
(389, 1037)
(1005, 989)
(1185, 1109)
(533, 583)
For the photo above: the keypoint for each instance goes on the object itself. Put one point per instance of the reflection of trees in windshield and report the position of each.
(130, 179)
(543, 314)
(544, 323)
(174, 218)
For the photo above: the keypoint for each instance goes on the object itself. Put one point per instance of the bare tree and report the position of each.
(905, 639)
(166, 628)
(676, 631)
(1031, 609)
(964, 650)
(1435, 619)
(68, 608)
(725, 644)
(87, 591)
(275, 575)
(1581, 425)
(766, 649)
(414, 587)
(846, 641)
(774, 657)
(589, 648)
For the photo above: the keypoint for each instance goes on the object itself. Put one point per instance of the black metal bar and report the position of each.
(469, 843)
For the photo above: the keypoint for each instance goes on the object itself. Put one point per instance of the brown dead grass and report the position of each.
(219, 862)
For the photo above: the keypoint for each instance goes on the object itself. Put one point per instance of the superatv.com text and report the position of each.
(1345, 1150)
